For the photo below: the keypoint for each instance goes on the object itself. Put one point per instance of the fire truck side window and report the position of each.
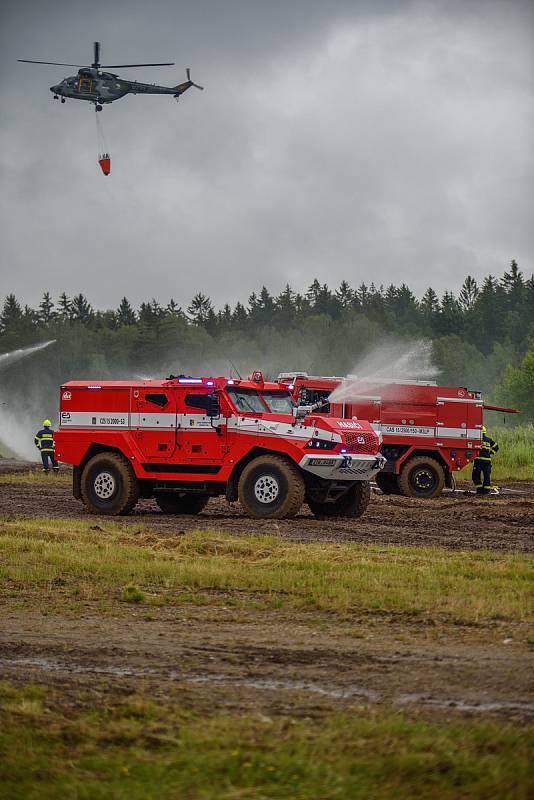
(158, 399)
(247, 401)
(197, 401)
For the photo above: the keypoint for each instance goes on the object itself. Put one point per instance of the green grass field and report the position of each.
(515, 459)
(72, 561)
(139, 750)
(83, 743)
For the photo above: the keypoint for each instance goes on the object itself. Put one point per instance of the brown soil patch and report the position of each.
(455, 522)
(273, 663)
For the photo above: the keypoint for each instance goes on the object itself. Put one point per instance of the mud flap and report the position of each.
(76, 482)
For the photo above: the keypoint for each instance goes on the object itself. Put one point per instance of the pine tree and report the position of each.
(513, 284)
(450, 317)
(468, 293)
(429, 308)
(157, 308)
(125, 313)
(375, 304)
(314, 292)
(174, 309)
(11, 315)
(285, 306)
(488, 314)
(150, 312)
(224, 318)
(362, 295)
(344, 295)
(239, 316)
(46, 312)
(200, 309)
(81, 309)
(264, 312)
(64, 306)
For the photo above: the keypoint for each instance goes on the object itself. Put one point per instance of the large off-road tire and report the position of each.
(108, 485)
(387, 483)
(351, 504)
(181, 502)
(421, 476)
(271, 487)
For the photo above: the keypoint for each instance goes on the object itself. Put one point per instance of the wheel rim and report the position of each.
(266, 489)
(423, 480)
(104, 485)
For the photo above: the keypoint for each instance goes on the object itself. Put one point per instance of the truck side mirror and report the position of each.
(213, 408)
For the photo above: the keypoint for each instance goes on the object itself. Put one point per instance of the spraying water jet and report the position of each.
(15, 436)
(7, 359)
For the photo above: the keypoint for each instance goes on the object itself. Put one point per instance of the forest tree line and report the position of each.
(482, 337)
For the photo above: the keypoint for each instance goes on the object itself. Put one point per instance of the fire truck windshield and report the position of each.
(246, 400)
(279, 402)
(250, 401)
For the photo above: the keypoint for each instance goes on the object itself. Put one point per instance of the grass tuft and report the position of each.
(132, 594)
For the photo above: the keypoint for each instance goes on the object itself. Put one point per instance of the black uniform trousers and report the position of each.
(482, 475)
(45, 456)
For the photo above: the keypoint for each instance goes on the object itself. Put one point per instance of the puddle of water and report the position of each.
(460, 705)
(50, 665)
(56, 665)
(305, 686)
(340, 693)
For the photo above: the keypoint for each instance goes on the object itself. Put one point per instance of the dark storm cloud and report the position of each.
(367, 141)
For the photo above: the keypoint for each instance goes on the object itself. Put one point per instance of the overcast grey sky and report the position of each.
(386, 141)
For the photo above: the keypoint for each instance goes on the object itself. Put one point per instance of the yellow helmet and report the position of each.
(484, 429)
(47, 423)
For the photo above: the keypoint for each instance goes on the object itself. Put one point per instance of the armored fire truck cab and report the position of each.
(429, 431)
(183, 440)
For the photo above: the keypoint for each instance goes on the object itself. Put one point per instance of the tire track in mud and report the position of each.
(264, 663)
(496, 523)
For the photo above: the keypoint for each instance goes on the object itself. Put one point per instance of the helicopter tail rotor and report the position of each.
(188, 73)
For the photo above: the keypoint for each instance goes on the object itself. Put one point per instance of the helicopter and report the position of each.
(96, 86)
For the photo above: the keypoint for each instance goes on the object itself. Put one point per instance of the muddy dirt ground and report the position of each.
(272, 663)
(455, 522)
(275, 662)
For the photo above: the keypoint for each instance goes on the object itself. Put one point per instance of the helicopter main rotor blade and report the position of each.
(118, 66)
(56, 63)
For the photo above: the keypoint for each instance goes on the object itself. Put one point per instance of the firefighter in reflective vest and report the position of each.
(44, 442)
(482, 463)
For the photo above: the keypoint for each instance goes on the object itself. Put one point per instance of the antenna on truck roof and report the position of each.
(235, 369)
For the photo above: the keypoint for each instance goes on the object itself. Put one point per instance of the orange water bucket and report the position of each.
(105, 163)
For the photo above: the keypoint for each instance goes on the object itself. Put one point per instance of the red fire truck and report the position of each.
(183, 440)
(429, 431)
